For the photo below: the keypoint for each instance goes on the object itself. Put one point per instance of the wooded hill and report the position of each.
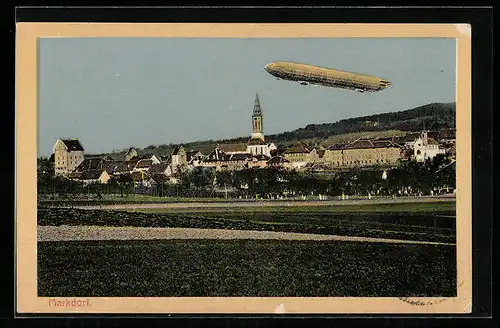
(433, 116)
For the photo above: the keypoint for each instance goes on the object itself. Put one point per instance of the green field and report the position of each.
(436, 207)
(435, 222)
(244, 268)
(118, 199)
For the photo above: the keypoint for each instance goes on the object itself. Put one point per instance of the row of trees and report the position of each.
(409, 178)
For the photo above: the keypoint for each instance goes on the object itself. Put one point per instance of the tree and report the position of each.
(125, 181)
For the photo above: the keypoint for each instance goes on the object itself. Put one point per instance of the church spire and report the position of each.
(256, 106)
(257, 120)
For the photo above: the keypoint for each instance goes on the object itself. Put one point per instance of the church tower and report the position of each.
(257, 120)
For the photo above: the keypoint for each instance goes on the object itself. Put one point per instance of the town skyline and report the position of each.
(126, 148)
(121, 113)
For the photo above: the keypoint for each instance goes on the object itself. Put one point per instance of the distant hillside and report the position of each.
(434, 116)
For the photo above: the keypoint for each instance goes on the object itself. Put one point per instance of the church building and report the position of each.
(257, 145)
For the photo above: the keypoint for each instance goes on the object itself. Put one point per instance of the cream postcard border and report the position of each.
(26, 161)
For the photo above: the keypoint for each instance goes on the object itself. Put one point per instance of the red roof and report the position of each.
(296, 148)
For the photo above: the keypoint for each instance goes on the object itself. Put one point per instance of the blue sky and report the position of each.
(114, 93)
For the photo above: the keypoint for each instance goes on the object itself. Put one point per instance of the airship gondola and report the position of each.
(316, 75)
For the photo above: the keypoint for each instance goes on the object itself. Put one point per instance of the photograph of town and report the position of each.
(259, 167)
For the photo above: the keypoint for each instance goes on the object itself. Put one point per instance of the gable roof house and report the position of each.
(143, 165)
(91, 176)
(194, 158)
(237, 161)
(160, 169)
(152, 157)
(297, 154)
(68, 154)
(215, 157)
(221, 160)
(131, 153)
(408, 140)
(89, 164)
(119, 168)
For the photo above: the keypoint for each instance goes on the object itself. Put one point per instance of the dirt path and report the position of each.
(69, 233)
(270, 203)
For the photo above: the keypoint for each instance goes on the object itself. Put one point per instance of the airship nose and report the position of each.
(385, 84)
(269, 67)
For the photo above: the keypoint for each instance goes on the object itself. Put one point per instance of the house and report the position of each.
(408, 140)
(179, 158)
(120, 168)
(91, 176)
(91, 164)
(363, 152)
(152, 157)
(334, 155)
(194, 158)
(215, 159)
(222, 161)
(143, 165)
(273, 149)
(164, 169)
(258, 161)
(131, 153)
(68, 154)
(297, 154)
(366, 152)
(236, 161)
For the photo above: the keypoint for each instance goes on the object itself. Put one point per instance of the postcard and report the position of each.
(243, 168)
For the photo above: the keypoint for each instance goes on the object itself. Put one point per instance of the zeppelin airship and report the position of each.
(315, 75)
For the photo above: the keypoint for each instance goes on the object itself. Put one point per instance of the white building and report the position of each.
(425, 147)
(68, 154)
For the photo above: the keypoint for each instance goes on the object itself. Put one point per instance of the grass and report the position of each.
(54, 200)
(420, 207)
(240, 268)
(428, 226)
(129, 199)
